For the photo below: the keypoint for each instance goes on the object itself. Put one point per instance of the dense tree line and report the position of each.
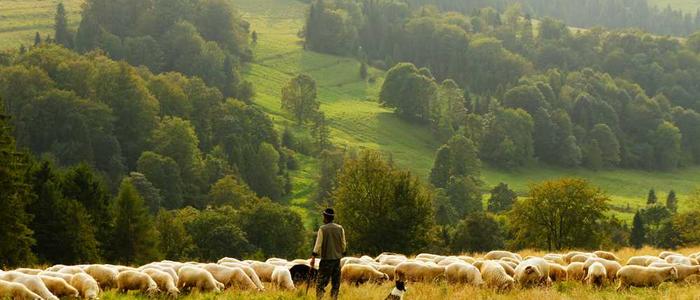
(599, 99)
(203, 38)
(590, 13)
(68, 215)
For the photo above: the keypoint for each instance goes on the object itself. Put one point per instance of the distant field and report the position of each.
(21, 19)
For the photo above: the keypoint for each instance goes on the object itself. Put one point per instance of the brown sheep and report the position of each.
(495, 276)
(137, 281)
(12, 290)
(606, 255)
(644, 276)
(105, 276)
(463, 273)
(32, 282)
(574, 271)
(359, 274)
(418, 271)
(597, 275)
(193, 277)
(164, 281)
(86, 286)
(59, 287)
(557, 272)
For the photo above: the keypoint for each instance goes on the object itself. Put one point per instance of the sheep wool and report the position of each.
(194, 277)
(464, 273)
(644, 276)
(164, 281)
(59, 287)
(359, 273)
(597, 275)
(12, 290)
(136, 281)
(282, 278)
(495, 276)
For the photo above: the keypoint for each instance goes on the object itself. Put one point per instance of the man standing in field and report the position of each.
(330, 246)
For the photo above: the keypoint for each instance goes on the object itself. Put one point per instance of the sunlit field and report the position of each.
(21, 19)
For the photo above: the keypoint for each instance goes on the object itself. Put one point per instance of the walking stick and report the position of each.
(308, 276)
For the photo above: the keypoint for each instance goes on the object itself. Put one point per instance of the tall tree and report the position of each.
(440, 173)
(672, 201)
(15, 193)
(61, 33)
(477, 232)
(134, 238)
(149, 193)
(638, 235)
(164, 173)
(283, 240)
(502, 198)
(560, 214)
(381, 207)
(299, 97)
(651, 197)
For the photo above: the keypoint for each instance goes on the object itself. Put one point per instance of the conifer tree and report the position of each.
(15, 236)
(637, 237)
(672, 201)
(134, 239)
(61, 27)
(651, 197)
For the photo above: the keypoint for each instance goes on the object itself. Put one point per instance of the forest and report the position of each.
(136, 137)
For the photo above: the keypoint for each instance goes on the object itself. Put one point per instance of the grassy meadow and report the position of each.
(442, 290)
(688, 6)
(21, 19)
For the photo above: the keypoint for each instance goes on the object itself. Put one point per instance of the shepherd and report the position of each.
(330, 247)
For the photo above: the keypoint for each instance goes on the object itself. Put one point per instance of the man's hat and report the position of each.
(329, 212)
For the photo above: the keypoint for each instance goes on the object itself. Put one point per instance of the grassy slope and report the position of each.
(358, 121)
(688, 6)
(21, 19)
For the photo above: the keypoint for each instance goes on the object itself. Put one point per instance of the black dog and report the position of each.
(397, 292)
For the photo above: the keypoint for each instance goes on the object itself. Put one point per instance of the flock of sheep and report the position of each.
(500, 270)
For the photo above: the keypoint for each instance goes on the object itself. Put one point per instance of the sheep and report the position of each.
(59, 287)
(28, 271)
(466, 259)
(683, 271)
(352, 260)
(574, 271)
(263, 270)
(195, 277)
(498, 254)
(250, 272)
(277, 261)
(568, 256)
(164, 281)
(86, 286)
(417, 271)
(66, 277)
(105, 276)
(228, 259)
(390, 259)
(282, 278)
(581, 257)
(389, 270)
(644, 276)
(533, 271)
(557, 272)
(165, 267)
(71, 270)
(12, 290)
(508, 266)
(665, 254)
(32, 282)
(461, 272)
(55, 268)
(359, 274)
(230, 276)
(427, 256)
(606, 255)
(555, 258)
(679, 259)
(611, 266)
(495, 276)
(643, 260)
(136, 281)
(597, 275)
(448, 261)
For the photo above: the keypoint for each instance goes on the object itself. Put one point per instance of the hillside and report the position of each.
(688, 6)
(356, 119)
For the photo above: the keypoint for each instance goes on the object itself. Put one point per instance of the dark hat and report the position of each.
(329, 212)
